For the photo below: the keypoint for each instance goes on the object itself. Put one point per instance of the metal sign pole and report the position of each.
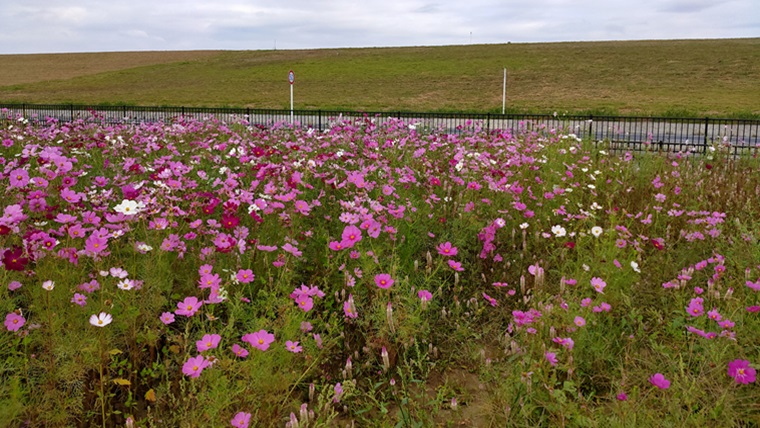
(291, 80)
(504, 93)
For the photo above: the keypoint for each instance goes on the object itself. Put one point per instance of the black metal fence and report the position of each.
(618, 132)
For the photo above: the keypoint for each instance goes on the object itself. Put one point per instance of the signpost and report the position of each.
(291, 80)
(504, 93)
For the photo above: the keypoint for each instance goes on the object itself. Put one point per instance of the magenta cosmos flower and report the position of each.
(14, 321)
(659, 381)
(194, 366)
(189, 306)
(424, 295)
(241, 420)
(696, 307)
(455, 265)
(260, 340)
(446, 249)
(551, 357)
(383, 280)
(741, 371)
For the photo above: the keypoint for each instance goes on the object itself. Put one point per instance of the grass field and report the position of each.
(695, 77)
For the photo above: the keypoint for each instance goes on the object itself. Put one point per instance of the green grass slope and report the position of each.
(686, 77)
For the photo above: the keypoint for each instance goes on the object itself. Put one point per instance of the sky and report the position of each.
(57, 26)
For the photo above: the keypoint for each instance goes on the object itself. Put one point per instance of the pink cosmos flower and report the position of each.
(14, 285)
(18, 178)
(194, 366)
(292, 250)
(336, 245)
(383, 280)
(551, 357)
(306, 326)
(741, 371)
(293, 347)
(209, 280)
(349, 309)
(167, 318)
(189, 306)
(95, 244)
(598, 284)
(424, 295)
(209, 341)
(490, 300)
(260, 340)
(754, 285)
(14, 321)
(305, 302)
(79, 299)
(447, 250)
(239, 351)
(245, 276)
(714, 315)
(351, 235)
(659, 381)
(241, 420)
(579, 321)
(455, 265)
(564, 341)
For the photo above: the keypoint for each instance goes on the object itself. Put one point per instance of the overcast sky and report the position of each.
(42, 26)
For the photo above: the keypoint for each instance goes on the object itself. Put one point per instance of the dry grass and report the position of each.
(19, 69)
(698, 77)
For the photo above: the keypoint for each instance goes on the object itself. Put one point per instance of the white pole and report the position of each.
(504, 93)
(291, 104)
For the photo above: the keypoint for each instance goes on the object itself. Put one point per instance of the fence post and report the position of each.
(488, 122)
(707, 122)
(319, 119)
(591, 127)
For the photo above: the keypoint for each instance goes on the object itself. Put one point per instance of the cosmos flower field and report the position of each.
(201, 273)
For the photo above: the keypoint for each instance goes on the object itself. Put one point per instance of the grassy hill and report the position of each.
(686, 77)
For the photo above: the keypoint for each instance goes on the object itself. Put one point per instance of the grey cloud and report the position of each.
(95, 25)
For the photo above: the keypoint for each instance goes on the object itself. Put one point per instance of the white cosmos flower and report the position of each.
(101, 320)
(126, 284)
(524, 226)
(48, 285)
(635, 266)
(129, 207)
(596, 231)
(559, 231)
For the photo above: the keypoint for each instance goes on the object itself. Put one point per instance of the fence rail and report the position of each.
(620, 132)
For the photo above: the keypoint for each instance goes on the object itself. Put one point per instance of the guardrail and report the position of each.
(620, 132)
